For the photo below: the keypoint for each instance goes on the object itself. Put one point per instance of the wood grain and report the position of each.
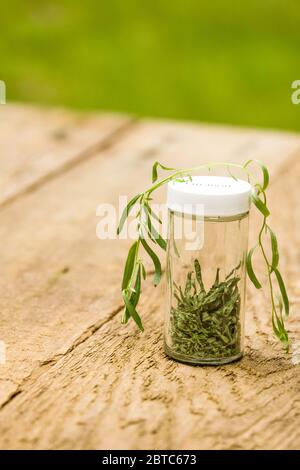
(37, 144)
(76, 378)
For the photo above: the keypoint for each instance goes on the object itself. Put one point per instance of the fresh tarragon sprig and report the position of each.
(135, 272)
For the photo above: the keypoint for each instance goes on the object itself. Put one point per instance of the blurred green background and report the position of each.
(218, 61)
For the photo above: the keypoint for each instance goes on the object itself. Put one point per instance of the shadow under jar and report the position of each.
(206, 277)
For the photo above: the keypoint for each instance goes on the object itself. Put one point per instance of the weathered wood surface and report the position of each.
(74, 377)
(37, 145)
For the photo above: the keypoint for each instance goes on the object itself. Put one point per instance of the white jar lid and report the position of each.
(209, 196)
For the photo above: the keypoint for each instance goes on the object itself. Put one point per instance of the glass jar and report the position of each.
(206, 278)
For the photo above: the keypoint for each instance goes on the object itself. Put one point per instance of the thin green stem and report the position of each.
(260, 241)
(186, 171)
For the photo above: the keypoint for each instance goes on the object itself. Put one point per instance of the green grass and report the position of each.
(221, 61)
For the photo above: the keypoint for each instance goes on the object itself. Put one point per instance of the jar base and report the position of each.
(201, 361)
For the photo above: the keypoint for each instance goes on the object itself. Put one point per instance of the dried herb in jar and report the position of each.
(206, 323)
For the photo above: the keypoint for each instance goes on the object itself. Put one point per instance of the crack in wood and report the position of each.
(47, 363)
(83, 156)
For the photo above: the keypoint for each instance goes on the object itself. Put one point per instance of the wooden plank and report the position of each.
(37, 144)
(60, 306)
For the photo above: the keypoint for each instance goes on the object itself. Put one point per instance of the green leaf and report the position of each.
(129, 266)
(137, 288)
(152, 213)
(131, 309)
(154, 170)
(144, 274)
(274, 246)
(159, 239)
(135, 296)
(126, 212)
(280, 304)
(156, 262)
(154, 235)
(280, 331)
(250, 270)
(283, 292)
(275, 327)
(266, 176)
(261, 206)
